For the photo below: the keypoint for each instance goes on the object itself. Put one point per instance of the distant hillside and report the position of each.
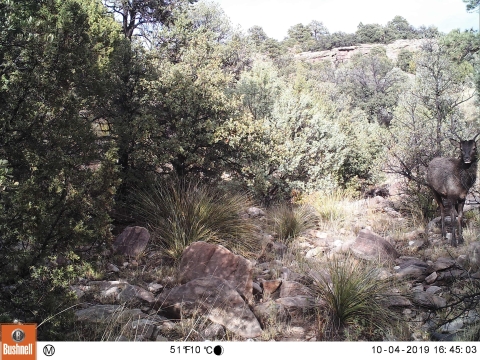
(343, 54)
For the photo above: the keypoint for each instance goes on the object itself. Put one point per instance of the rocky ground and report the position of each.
(216, 294)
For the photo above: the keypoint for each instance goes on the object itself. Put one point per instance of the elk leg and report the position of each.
(460, 205)
(439, 201)
(453, 222)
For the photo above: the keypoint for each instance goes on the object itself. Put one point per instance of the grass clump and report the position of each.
(353, 294)
(289, 221)
(179, 213)
(331, 207)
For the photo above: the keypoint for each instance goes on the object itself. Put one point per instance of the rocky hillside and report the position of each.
(216, 294)
(343, 54)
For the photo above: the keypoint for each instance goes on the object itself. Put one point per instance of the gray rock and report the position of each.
(255, 212)
(411, 272)
(271, 312)
(216, 299)
(103, 313)
(428, 300)
(443, 264)
(132, 292)
(397, 301)
(293, 288)
(370, 246)
(144, 327)
(214, 331)
(132, 241)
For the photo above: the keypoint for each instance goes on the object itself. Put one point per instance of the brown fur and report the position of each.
(451, 179)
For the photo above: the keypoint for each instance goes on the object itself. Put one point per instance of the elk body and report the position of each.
(451, 179)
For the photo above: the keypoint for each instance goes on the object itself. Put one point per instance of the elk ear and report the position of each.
(454, 142)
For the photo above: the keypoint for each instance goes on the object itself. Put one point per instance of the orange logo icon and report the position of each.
(19, 341)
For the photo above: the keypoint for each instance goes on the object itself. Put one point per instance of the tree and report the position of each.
(300, 35)
(139, 14)
(427, 115)
(373, 83)
(371, 33)
(318, 30)
(473, 5)
(257, 35)
(56, 197)
(399, 28)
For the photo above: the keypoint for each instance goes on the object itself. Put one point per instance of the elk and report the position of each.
(451, 179)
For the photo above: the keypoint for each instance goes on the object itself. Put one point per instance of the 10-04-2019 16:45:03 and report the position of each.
(425, 349)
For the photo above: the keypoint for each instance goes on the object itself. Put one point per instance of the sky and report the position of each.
(277, 16)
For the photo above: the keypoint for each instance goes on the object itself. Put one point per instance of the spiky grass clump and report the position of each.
(353, 294)
(330, 207)
(289, 221)
(180, 213)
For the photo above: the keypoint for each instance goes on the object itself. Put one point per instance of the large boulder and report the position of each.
(202, 259)
(132, 241)
(214, 298)
(370, 246)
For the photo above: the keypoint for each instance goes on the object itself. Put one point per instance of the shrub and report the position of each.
(353, 293)
(182, 212)
(289, 221)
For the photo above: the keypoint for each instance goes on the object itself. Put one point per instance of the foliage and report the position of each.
(140, 14)
(428, 113)
(406, 61)
(181, 212)
(354, 292)
(58, 192)
(288, 221)
(373, 83)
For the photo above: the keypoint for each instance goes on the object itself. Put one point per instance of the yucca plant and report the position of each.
(180, 212)
(353, 293)
(289, 221)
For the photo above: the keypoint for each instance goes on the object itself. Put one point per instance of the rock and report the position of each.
(108, 313)
(270, 286)
(132, 241)
(257, 289)
(397, 301)
(154, 287)
(293, 288)
(133, 292)
(428, 300)
(430, 279)
(79, 293)
(214, 298)
(433, 289)
(113, 268)
(474, 253)
(345, 53)
(201, 259)
(255, 212)
(144, 327)
(449, 276)
(313, 253)
(279, 248)
(214, 331)
(411, 272)
(270, 312)
(298, 306)
(370, 246)
(443, 264)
